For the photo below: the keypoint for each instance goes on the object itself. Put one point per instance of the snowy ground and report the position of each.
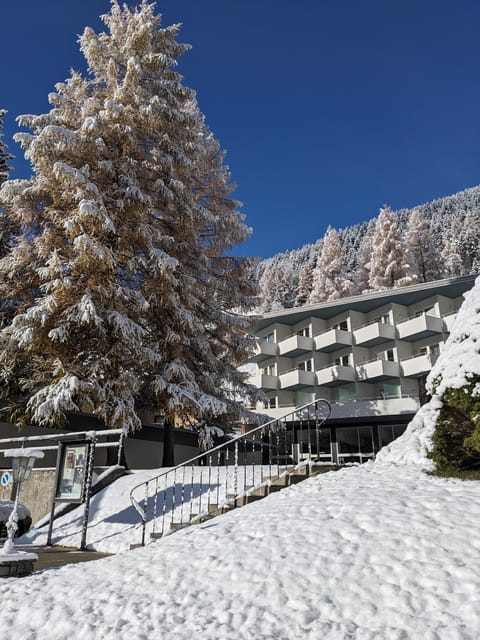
(379, 551)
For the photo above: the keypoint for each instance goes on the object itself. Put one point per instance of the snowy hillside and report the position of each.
(440, 238)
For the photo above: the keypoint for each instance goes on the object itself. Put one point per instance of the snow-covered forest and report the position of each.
(430, 241)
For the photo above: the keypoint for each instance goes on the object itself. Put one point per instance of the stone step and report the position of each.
(156, 536)
(176, 526)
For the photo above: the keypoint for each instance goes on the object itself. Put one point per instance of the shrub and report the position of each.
(456, 440)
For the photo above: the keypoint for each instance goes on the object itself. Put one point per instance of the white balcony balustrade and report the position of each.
(449, 321)
(332, 339)
(264, 350)
(295, 345)
(296, 379)
(417, 365)
(334, 375)
(419, 328)
(378, 370)
(374, 333)
(265, 381)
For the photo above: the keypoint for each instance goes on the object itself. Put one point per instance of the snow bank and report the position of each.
(366, 553)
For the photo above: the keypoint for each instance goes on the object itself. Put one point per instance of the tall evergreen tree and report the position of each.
(451, 252)
(329, 278)
(388, 264)
(470, 241)
(422, 253)
(305, 283)
(122, 287)
(5, 157)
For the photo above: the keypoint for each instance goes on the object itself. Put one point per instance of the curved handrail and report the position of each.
(270, 427)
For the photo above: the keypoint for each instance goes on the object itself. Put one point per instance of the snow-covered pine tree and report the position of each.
(305, 283)
(470, 241)
(5, 157)
(330, 281)
(121, 283)
(451, 253)
(421, 252)
(388, 263)
(361, 277)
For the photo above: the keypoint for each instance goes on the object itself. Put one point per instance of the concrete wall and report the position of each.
(36, 493)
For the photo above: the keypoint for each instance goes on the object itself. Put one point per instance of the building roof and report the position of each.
(450, 287)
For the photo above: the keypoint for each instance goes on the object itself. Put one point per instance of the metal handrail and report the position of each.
(266, 450)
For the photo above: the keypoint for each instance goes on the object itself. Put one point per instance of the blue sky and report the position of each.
(327, 109)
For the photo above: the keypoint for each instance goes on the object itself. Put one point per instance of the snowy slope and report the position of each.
(374, 552)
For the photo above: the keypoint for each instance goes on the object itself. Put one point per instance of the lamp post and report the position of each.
(22, 464)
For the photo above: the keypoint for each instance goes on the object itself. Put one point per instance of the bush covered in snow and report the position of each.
(456, 440)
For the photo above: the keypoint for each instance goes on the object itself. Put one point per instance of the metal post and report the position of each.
(54, 493)
(88, 491)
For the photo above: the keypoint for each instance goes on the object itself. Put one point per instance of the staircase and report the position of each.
(243, 469)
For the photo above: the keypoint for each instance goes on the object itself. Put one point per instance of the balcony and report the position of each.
(333, 339)
(417, 366)
(264, 381)
(373, 334)
(295, 345)
(375, 406)
(297, 379)
(449, 321)
(334, 375)
(264, 350)
(418, 328)
(378, 370)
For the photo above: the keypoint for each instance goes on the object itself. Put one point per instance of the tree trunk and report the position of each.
(168, 443)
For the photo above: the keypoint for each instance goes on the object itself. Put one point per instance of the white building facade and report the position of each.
(367, 355)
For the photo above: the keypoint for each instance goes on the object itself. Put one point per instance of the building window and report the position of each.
(343, 361)
(343, 326)
(434, 352)
(272, 403)
(269, 370)
(390, 355)
(391, 390)
(304, 332)
(383, 319)
(429, 311)
(306, 365)
(270, 337)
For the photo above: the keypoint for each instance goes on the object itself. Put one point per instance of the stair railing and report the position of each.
(216, 478)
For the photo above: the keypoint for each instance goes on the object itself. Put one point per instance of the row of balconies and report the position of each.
(333, 375)
(370, 335)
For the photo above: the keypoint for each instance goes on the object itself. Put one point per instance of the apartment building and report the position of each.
(367, 355)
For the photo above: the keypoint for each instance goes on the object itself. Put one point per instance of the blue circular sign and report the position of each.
(5, 479)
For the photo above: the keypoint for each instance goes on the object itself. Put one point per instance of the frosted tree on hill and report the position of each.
(421, 252)
(305, 283)
(123, 289)
(361, 276)
(389, 265)
(451, 253)
(329, 278)
(470, 241)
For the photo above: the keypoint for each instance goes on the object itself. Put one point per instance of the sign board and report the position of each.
(72, 471)
(5, 479)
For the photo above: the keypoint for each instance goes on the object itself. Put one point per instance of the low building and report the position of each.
(367, 355)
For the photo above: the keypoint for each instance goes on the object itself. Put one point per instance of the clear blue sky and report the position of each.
(327, 109)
